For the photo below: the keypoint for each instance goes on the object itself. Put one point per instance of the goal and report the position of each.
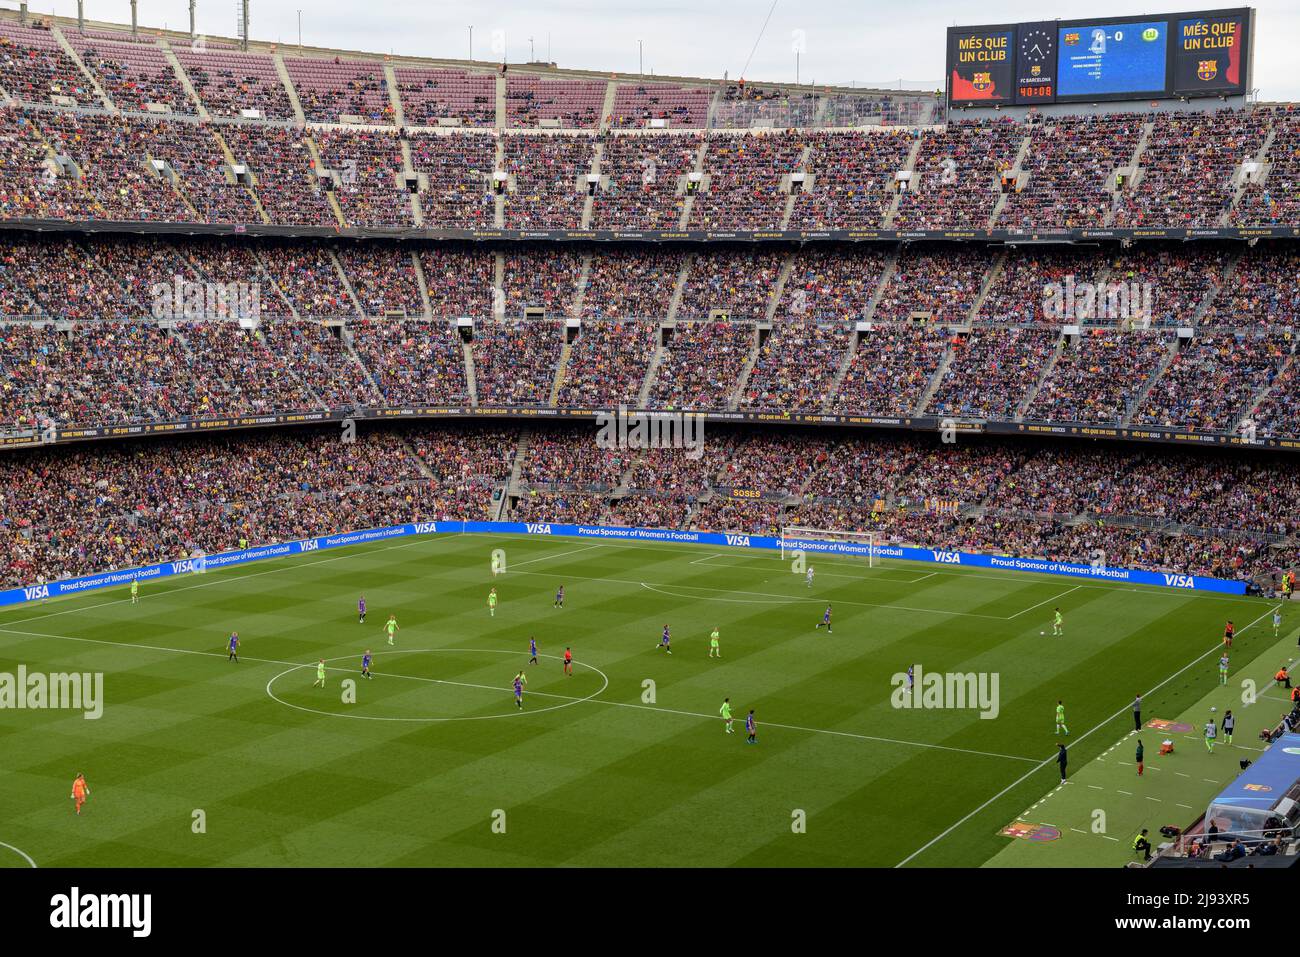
(821, 541)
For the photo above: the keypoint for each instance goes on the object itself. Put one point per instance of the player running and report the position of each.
(365, 664)
(135, 596)
(1058, 625)
(808, 577)
(1229, 632)
(725, 711)
(559, 598)
(1223, 669)
(361, 609)
(1277, 621)
(532, 650)
(320, 674)
(1211, 729)
(519, 690)
(568, 662)
(751, 728)
(715, 649)
(826, 620)
(233, 647)
(911, 679)
(666, 642)
(492, 603)
(80, 790)
(1060, 719)
(391, 627)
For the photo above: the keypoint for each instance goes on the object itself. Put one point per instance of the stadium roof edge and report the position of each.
(482, 66)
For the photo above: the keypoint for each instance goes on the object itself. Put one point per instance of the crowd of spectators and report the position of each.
(852, 179)
(796, 368)
(737, 283)
(890, 370)
(991, 372)
(413, 363)
(607, 364)
(458, 170)
(643, 180)
(367, 167)
(745, 174)
(515, 361)
(549, 177)
(636, 282)
(701, 365)
(1099, 376)
(958, 174)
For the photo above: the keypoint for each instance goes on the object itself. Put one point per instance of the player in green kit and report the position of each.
(135, 593)
(1058, 627)
(725, 711)
(320, 674)
(492, 603)
(391, 627)
(1060, 719)
(714, 650)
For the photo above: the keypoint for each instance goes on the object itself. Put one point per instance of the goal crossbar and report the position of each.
(823, 541)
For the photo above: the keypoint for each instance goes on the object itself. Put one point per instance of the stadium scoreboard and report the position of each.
(1115, 58)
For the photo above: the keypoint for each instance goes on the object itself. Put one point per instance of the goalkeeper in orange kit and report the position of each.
(80, 790)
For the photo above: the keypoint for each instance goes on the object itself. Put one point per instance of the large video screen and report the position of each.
(1115, 58)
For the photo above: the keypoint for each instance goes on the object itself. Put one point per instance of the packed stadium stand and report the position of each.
(199, 232)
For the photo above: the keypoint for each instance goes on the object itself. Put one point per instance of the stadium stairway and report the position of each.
(892, 213)
(689, 203)
(395, 101)
(995, 270)
(317, 165)
(792, 196)
(499, 211)
(652, 370)
(423, 283)
(560, 368)
(679, 287)
(1241, 428)
(498, 287)
(347, 283)
(1239, 175)
(733, 401)
(67, 48)
(886, 275)
(408, 170)
(500, 110)
(183, 78)
(932, 386)
(471, 379)
(1023, 405)
(283, 72)
(828, 403)
(1135, 171)
(270, 281)
(778, 287)
(231, 161)
(589, 201)
(580, 291)
(607, 107)
(345, 336)
(1147, 386)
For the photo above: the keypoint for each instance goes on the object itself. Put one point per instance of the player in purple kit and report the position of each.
(532, 650)
(361, 609)
(365, 665)
(559, 598)
(666, 642)
(519, 691)
(826, 620)
(234, 647)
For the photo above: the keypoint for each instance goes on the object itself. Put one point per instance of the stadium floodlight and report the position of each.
(816, 541)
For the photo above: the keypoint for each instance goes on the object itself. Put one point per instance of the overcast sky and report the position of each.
(841, 40)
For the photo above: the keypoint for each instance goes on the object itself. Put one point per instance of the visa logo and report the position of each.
(1180, 581)
(741, 540)
(535, 529)
(947, 558)
(180, 568)
(311, 546)
(36, 591)
(425, 528)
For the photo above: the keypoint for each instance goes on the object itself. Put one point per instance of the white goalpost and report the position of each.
(821, 541)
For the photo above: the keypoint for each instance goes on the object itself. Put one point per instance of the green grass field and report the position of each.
(626, 762)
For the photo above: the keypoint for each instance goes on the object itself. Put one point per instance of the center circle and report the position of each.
(420, 651)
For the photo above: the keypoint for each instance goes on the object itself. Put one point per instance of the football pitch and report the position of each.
(198, 760)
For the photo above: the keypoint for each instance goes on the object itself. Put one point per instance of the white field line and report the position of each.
(507, 690)
(1048, 760)
(1046, 601)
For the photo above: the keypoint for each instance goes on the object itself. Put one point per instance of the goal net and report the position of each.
(820, 541)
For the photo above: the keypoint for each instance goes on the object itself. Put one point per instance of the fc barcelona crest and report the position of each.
(1207, 69)
(982, 81)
